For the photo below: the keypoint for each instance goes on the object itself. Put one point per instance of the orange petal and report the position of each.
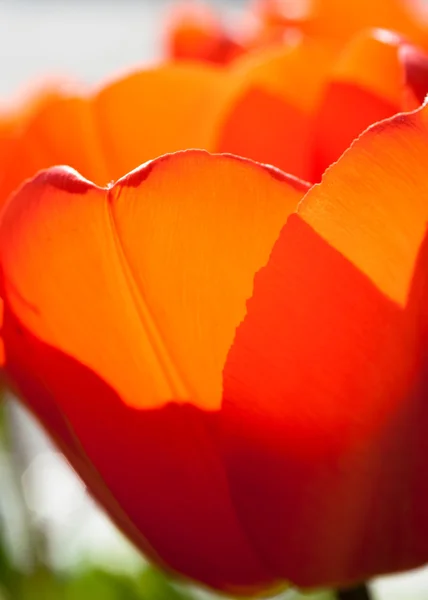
(153, 112)
(59, 129)
(325, 413)
(376, 76)
(400, 149)
(132, 119)
(65, 131)
(339, 20)
(109, 132)
(194, 32)
(270, 22)
(125, 309)
(132, 244)
(270, 114)
(15, 164)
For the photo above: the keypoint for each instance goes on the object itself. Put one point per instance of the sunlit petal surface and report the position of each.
(132, 297)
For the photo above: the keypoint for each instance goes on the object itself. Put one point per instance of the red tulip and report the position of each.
(243, 390)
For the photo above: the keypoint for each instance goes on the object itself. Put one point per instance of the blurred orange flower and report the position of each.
(269, 22)
(194, 31)
(337, 21)
(243, 390)
(296, 105)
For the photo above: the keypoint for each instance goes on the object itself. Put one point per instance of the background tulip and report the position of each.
(196, 32)
(296, 107)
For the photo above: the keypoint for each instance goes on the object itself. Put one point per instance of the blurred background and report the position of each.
(54, 541)
(85, 39)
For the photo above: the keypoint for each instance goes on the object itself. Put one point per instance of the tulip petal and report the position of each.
(59, 130)
(96, 133)
(324, 414)
(391, 155)
(193, 244)
(194, 32)
(270, 114)
(27, 360)
(145, 247)
(376, 76)
(153, 112)
(156, 472)
(133, 119)
(343, 19)
(340, 20)
(123, 312)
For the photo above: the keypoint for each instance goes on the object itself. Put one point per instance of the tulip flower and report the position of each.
(234, 361)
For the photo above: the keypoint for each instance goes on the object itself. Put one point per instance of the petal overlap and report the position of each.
(324, 409)
(377, 75)
(235, 361)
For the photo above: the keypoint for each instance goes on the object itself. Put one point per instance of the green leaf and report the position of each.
(155, 585)
(40, 585)
(323, 595)
(101, 585)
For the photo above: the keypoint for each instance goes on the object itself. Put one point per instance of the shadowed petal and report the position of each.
(270, 115)
(324, 413)
(377, 75)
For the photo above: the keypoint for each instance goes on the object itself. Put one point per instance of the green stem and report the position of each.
(361, 592)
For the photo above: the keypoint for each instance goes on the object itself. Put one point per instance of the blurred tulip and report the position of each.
(296, 106)
(241, 387)
(335, 20)
(269, 22)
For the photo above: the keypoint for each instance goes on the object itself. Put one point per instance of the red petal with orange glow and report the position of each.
(270, 114)
(375, 76)
(122, 315)
(324, 412)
